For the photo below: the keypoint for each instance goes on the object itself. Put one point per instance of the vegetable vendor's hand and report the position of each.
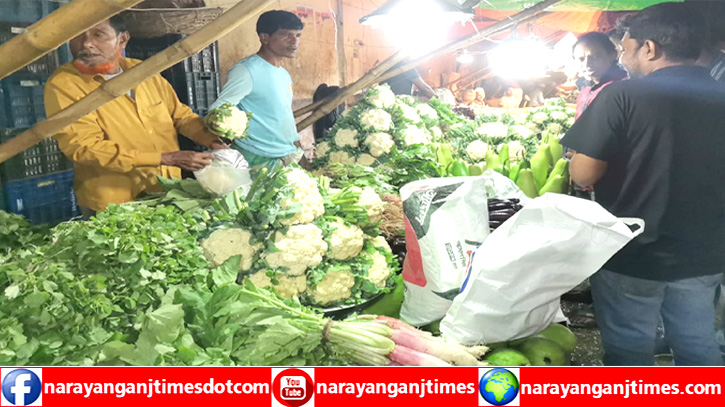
(219, 145)
(187, 160)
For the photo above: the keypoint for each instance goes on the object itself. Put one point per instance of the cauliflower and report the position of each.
(517, 152)
(341, 157)
(409, 113)
(522, 131)
(225, 243)
(495, 129)
(372, 203)
(540, 117)
(227, 121)
(366, 160)
(426, 111)
(381, 97)
(376, 119)
(555, 128)
(379, 143)
(380, 242)
(437, 133)
(415, 135)
(335, 286)
(477, 150)
(345, 241)
(302, 246)
(570, 112)
(307, 195)
(346, 137)
(559, 115)
(379, 272)
(287, 287)
(532, 126)
(322, 149)
(570, 121)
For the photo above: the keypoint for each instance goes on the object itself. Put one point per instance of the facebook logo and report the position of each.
(22, 387)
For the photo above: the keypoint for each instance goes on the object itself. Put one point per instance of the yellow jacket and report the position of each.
(116, 150)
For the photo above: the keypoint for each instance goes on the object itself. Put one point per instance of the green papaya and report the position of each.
(527, 184)
(555, 184)
(556, 149)
(540, 166)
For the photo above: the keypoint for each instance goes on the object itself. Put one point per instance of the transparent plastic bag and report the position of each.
(228, 171)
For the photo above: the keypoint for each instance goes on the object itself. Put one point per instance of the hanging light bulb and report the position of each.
(465, 57)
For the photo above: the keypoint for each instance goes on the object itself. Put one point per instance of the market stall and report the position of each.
(410, 212)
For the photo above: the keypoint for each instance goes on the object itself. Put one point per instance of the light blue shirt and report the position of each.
(258, 87)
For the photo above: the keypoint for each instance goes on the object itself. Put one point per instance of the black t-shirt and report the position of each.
(663, 137)
(403, 84)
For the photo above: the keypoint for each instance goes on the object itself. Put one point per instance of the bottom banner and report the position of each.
(359, 386)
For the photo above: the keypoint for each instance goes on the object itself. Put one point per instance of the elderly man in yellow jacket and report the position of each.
(119, 149)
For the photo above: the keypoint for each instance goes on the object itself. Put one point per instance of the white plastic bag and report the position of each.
(517, 275)
(445, 220)
(228, 171)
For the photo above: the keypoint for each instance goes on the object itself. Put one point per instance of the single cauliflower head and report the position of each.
(301, 247)
(522, 131)
(227, 121)
(540, 117)
(376, 119)
(476, 150)
(345, 138)
(381, 97)
(494, 129)
(379, 143)
(380, 242)
(225, 243)
(287, 286)
(322, 149)
(409, 113)
(555, 128)
(426, 111)
(341, 157)
(307, 195)
(415, 135)
(345, 241)
(436, 132)
(559, 115)
(372, 203)
(379, 272)
(366, 160)
(335, 286)
(517, 152)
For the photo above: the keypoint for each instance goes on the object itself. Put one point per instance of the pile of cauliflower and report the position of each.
(319, 245)
(367, 133)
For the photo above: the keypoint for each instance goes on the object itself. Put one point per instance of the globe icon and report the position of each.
(498, 387)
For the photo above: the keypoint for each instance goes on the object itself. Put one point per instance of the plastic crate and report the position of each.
(42, 159)
(203, 89)
(28, 11)
(22, 100)
(46, 199)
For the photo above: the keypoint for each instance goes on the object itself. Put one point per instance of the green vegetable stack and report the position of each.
(547, 171)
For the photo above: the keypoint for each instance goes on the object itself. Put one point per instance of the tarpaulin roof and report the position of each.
(574, 5)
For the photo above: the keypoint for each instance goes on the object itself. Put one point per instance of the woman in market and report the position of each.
(596, 57)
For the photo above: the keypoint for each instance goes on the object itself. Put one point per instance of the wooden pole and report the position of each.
(128, 80)
(502, 25)
(340, 41)
(55, 30)
(329, 104)
(467, 77)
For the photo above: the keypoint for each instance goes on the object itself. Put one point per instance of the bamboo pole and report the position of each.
(467, 77)
(56, 29)
(340, 43)
(329, 104)
(128, 80)
(517, 18)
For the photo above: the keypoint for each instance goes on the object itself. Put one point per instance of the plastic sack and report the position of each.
(445, 220)
(517, 275)
(228, 171)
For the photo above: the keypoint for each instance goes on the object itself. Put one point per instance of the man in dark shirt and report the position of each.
(403, 84)
(652, 147)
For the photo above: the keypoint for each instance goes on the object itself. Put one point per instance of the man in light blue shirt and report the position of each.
(261, 86)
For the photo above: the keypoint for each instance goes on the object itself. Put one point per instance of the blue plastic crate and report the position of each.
(46, 199)
(22, 100)
(42, 159)
(28, 11)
